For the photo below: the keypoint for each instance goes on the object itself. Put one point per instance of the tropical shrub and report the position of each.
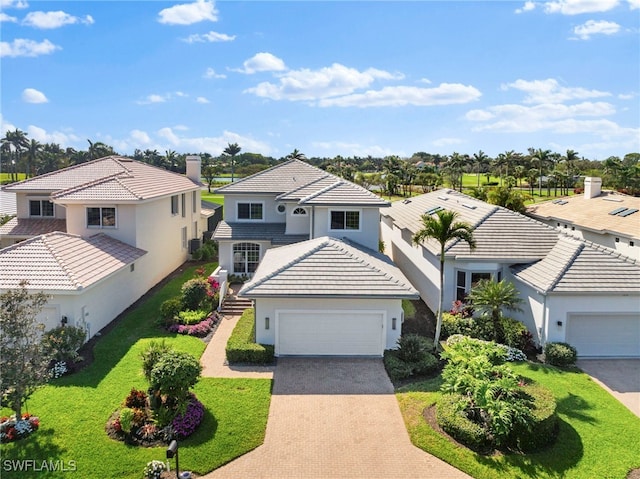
(151, 355)
(170, 308)
(412, 347)
(189, 317)
(126, 419)
(413, 357)
(396, 368)
(185, 424)
(200, 329)
(62, 343)
(136, 399)
(454, 421)
(560, 354)
(173, 374)
(542, 428)
(194, 293)
(242, 346)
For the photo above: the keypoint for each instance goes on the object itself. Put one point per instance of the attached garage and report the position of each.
(599, 335)
(333, 333)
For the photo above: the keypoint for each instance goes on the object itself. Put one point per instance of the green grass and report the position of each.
(212, 197)
(598, 437)
(408, 308)
(6, 177)
(74, 409)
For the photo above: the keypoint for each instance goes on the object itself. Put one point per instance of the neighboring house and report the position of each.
(128, 225)
(567, 296)
(327, 296)
(604, 217)
(309, 241)
(289, 203)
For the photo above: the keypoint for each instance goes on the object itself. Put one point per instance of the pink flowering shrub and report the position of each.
(200, 329)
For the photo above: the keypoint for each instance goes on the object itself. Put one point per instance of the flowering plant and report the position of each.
(185, 424)
(58, 370)
(12, 429)
(154, 469)
(200, 329)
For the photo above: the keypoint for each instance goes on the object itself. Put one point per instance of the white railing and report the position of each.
(223, 293)
(220, 275)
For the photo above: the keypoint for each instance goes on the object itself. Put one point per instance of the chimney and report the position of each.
(194, 167)
(592, 187)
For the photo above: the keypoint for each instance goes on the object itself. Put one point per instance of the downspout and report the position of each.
(543, 333)
(312, 222)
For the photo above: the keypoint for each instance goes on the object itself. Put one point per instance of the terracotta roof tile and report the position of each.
(25, 227)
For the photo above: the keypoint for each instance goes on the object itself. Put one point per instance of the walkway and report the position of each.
(335, 418)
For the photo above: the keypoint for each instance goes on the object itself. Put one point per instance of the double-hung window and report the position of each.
(99, 217)
(344, 220)
(42, 208)
(174, 205)
(250, 211)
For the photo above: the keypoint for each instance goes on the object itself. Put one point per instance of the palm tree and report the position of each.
(99, 150)
(480, 159)
(296, 155)
(232, 150)
(489, 296)
(18, 139)
(443, 228)
(34, 150)
(570, 159)
(540, 157)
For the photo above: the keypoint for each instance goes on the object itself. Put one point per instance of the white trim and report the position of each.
(249, 220)
(100, 226)
(359, 211)
(306, 213)
(329, 312)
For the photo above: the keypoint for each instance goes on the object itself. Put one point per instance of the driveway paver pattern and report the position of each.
(621, 377)
(335, 418)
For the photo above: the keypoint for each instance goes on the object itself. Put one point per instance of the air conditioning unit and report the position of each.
(194, 244)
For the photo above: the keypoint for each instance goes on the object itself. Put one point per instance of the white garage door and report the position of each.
(332, 333)
(606, 335)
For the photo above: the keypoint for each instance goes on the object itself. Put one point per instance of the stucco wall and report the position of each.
(368, 234)
(225, 252)
(22, 204)
(266, 307)
(270, 214)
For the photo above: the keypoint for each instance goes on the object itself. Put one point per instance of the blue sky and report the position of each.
(327, 78)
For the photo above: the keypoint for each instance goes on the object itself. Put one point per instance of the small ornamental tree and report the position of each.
(23, 360)
(173, 374)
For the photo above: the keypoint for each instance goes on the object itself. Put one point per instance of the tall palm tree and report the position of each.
(540, 158)
(18, 139)
(99, 150)
(232, 150)
(34, 150)
(570, 159)
(480, 159)
(296, 155)
(443, 228)
(490, 296)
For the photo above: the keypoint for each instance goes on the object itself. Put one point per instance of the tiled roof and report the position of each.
(327, 267)
(575, 266)
(274, 232)
(24, 227)
(295, 180)
(64, 262)
(112, 178)
(208, 208)
(499, 233)
(592, 214)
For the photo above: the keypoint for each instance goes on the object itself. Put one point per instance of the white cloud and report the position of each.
(527, 7)
(262, 62)
(20, 4)
(592, 27)
(202, 100)
(550, 91)
(209, 37)
(634, 4)
(627, 96)
(447, 142)
(31, 95)
(576, 7)
(425, 81)
(140, 137)
(444, 94)
(327, 82)
(6, 18)
(344, 148)
(43, 136)
(211, 73)
(189, 13)
(22, 47)
(213, 145)
(48, 20)
(158, 98)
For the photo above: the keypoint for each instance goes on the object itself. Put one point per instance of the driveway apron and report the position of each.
(621, 377)
(335, 418)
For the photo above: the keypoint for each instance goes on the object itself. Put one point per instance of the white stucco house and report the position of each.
(98, 235)
(308, 242)
(574, 291)
(606, 218)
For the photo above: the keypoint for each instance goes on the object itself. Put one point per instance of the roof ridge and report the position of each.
(56, 257)
(259, 173)
(606, 250)
(320, 191)
(326, 175)
(87, 184)
(578, 249)
(474, 226)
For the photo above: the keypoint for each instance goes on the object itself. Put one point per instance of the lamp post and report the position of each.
(172, 450)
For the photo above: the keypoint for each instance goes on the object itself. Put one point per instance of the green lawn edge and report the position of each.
(598, 437)
(74, 409)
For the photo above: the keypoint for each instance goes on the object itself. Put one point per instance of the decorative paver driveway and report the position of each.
(621, 377)
(335, 418)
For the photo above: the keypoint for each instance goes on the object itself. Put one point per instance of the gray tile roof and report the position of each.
(499, 233)
(32, 226)
(112, 178)
(327, 267)
(575, 266)
(593, 213)
(274, 232)
(64, 262)
(295, 180)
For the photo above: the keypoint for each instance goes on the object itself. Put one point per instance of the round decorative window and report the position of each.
(281, 208)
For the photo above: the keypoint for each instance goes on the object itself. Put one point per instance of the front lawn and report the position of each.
(74, 409)
(598, 437)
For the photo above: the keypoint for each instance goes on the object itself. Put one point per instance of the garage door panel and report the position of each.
(608, 335)
(330, 333)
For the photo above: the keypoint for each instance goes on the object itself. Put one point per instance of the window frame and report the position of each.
(101, 217)
(184, 237)
(299, 208)
(175, 205)
(183, 205)
(251, 205)
(345, 212)
(245, 260)
(461, 291)
(41, 203)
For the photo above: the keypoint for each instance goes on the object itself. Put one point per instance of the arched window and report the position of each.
(299, 212)
(246, 257)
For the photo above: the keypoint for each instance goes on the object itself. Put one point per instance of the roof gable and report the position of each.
(327, 267)
(60, 261)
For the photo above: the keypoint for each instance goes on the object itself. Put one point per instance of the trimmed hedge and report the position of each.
(516, 333)
(453, 420)
(560, 354)
(242, 348)
(543, 424)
